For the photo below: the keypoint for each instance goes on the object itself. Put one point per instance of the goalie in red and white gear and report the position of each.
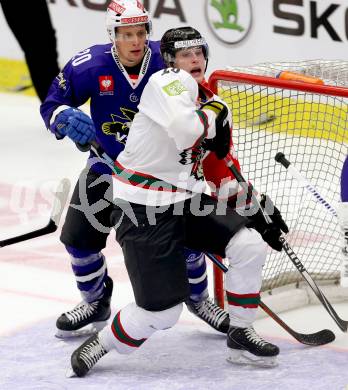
(178, 139)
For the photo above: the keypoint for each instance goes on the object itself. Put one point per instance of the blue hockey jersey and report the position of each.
(95, 74)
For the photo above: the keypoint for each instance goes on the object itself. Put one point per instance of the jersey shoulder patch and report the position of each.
(174, 82)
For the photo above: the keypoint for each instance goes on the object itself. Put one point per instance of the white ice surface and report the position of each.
(36, 285)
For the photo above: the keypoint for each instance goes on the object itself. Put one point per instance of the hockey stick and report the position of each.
(280, 157)
(98, 151)
(60, 197)
(321, 337)
(342, 324)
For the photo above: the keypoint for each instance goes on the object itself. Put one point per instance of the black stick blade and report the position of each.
(322, 337)
(49, 228)
(60, 198)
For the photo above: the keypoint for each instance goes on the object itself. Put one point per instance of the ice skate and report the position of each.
(86, 318)
(212, 314)
(245, 346)
(86, 356)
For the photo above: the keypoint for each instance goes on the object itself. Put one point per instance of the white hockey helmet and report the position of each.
(126, 13)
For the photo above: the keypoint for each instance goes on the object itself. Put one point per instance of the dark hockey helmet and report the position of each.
(180, 38)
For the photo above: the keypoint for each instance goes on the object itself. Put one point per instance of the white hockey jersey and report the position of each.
(162, 161)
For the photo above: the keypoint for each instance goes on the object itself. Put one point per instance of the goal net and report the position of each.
(307, 120)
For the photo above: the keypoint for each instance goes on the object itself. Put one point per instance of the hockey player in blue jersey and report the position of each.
(113, 77)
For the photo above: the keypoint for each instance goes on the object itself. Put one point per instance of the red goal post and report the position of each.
(307, 119)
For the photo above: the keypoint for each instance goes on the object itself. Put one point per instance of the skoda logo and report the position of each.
(229, 20)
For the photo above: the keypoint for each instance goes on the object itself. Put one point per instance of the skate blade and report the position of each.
(246, 358)
(88, 330)
(70, 373)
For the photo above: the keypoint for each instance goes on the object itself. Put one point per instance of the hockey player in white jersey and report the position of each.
(180, 137)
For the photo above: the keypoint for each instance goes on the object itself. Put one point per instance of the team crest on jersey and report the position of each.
(174, 88)
(119, 126)
(194, 156)
(61, 81)
(106, 85)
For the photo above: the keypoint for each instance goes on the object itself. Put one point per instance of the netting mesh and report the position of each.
(312, 131)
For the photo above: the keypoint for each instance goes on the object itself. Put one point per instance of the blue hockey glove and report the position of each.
(74, 123)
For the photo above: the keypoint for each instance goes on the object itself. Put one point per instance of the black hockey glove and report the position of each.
(272, 231)
(274, 213)
(220, 144)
